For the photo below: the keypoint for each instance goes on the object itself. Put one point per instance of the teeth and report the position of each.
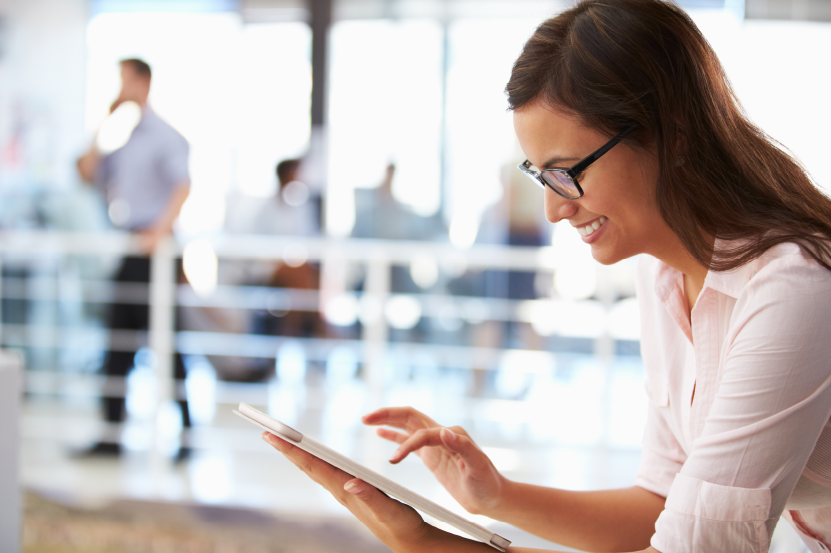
(589, 229)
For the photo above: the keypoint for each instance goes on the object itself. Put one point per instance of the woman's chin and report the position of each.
(606, 256)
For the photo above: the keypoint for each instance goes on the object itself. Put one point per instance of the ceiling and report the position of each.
(260, 10)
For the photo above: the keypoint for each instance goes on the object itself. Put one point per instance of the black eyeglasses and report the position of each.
(563, 180)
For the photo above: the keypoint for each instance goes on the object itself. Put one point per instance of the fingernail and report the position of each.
(267, 437)
(449, 435)
(352, 487)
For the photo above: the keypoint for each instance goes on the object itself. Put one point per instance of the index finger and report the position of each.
(405, 418)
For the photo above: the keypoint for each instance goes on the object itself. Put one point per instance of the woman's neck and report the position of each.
(676, 256)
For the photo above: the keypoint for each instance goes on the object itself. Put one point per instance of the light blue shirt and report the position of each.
(143, 173)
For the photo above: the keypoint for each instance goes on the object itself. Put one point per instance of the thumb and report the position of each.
(378, 503)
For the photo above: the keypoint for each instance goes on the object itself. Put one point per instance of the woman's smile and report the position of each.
(592, 232)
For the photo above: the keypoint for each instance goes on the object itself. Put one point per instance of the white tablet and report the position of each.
(371, 477)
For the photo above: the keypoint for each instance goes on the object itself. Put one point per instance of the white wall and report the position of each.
(42, 79)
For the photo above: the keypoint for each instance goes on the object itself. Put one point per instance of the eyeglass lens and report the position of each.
(562, 182)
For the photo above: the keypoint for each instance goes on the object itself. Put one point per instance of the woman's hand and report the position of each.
(450, 454)
(398, 525)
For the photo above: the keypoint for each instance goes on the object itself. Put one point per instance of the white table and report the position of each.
(11, 516)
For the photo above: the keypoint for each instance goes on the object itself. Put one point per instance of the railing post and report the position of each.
(161, 338)
(375, 334)
(375, 329)
(11, 518)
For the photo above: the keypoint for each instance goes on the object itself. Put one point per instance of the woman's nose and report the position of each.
(558, 208)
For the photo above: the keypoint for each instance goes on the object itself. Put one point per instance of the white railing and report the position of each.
(378, 256)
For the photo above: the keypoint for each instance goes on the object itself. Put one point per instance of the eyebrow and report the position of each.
(557, 160)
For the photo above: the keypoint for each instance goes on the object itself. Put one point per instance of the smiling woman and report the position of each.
(629, 123)
(638, 62)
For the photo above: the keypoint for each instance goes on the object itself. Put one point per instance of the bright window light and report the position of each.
(749, 55)
(200, 264)
(480, 139)
(384, 107)
(402, 312)
(341, 310)
(116, 129)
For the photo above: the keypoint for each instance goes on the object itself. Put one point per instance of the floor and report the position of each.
(231, 466)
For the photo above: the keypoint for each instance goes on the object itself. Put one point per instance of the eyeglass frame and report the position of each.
(577, 168)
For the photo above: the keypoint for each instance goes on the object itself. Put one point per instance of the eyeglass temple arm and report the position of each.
(591, 158)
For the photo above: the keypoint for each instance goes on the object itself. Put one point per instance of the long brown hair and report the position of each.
(614, 62)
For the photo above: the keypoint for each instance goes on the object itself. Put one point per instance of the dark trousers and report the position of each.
(132, 316)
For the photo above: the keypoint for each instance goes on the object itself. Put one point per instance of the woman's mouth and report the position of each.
(593, 226)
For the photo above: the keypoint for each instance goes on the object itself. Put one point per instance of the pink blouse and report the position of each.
(738, 429)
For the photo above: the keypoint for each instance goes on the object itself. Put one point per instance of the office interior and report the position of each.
(418, 268)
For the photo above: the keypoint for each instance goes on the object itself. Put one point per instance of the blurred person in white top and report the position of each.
(291, 211)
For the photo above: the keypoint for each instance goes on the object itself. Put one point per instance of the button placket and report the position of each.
(705, 331)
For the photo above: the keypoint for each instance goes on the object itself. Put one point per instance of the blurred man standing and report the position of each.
(145, 182)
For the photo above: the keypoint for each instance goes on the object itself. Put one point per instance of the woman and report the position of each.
(734, 291)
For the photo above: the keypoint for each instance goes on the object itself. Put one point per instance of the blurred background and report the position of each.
(403, 260)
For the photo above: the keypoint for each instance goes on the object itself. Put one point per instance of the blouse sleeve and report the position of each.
(662, 456)
(771, 403)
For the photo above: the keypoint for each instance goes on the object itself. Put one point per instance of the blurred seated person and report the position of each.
(516, 220)
(379, 215)
(290, 212)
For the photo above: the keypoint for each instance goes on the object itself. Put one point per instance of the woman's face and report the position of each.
(618, 189)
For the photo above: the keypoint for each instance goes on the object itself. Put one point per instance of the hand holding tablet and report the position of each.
(371, 477)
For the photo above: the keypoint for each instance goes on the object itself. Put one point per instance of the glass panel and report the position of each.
(271, 102)
(384, 107)
(481, 146)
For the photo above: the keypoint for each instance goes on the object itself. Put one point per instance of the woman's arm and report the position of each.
(606, 520)
(612, 520)
(397, 525)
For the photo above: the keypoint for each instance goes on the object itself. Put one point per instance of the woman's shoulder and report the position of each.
(788, 261)
(785, 272)
(785, 269)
